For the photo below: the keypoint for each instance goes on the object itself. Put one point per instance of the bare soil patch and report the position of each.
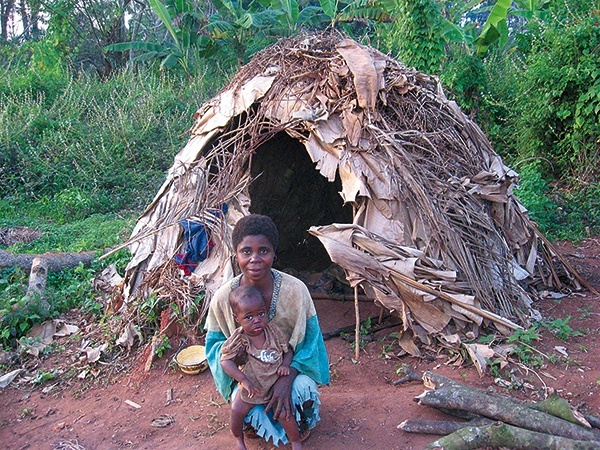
(361, 407)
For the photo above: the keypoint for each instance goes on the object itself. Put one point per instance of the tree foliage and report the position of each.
(560, 108)
(414, 36)
(525, 70)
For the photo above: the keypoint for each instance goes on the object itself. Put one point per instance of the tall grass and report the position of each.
(79, 159)
(100, 146)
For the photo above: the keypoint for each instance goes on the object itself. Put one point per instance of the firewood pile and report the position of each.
(491, 420)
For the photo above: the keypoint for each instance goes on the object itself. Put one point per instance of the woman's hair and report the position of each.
(253, 225)
(243, 293)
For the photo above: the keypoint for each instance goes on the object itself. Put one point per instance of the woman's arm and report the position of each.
(310, 355)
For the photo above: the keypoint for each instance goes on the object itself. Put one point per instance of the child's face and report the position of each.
(251, 314)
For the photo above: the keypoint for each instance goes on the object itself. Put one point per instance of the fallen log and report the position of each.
(499, 435)
(503, 409)
(441, 427)
(55, 261)
(556, 415)
(553, 405)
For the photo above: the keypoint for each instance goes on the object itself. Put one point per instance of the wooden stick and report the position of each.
(135, 239)
(339, 297)
(357, 322)
(409, 375)
(440, 427)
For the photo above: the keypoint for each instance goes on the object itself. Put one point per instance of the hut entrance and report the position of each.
(296, 196)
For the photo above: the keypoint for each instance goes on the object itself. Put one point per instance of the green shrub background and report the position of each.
(82, 152)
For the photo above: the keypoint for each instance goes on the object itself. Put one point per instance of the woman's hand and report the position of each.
(281, 400)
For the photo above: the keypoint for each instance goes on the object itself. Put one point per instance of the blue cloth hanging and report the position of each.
(197, 242)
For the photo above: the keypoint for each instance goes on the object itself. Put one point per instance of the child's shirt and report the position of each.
(262, 363)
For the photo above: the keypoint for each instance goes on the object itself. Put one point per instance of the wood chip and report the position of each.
(133, 404)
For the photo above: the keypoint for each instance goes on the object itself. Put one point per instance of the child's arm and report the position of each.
(231, 369)
(284, 368)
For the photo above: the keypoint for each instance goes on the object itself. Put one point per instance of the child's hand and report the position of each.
(252, 391)
(283, 371)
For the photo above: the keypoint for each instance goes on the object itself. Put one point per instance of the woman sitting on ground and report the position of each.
(255, 239)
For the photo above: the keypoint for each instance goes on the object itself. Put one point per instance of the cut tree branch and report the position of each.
(505, 410)
(441, 427)
(500, 435)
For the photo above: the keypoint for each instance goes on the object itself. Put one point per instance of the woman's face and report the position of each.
(255, 255)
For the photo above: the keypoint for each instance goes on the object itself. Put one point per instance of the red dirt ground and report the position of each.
(361, 408)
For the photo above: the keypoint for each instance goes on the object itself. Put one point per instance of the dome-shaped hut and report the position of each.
(360, 161)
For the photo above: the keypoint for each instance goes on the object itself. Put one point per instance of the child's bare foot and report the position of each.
(240, 443)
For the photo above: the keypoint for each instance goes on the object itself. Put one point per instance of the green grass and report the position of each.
(96, 232)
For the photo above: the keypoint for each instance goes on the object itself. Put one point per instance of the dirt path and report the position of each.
(361, 408)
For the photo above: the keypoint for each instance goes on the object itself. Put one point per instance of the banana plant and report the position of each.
(181, 19)
(341, 11)
(292, 15)
(235, 25)
(495, 28)
(530, 9)
(455, 29)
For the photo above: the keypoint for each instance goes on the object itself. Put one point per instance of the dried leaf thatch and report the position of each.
(436, 233)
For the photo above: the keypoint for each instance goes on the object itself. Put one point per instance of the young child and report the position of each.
(268, 356)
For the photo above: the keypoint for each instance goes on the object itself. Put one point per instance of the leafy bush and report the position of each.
(465, 76)
(541, 114)
(533, 193)
(572, 214)
(35, 69)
